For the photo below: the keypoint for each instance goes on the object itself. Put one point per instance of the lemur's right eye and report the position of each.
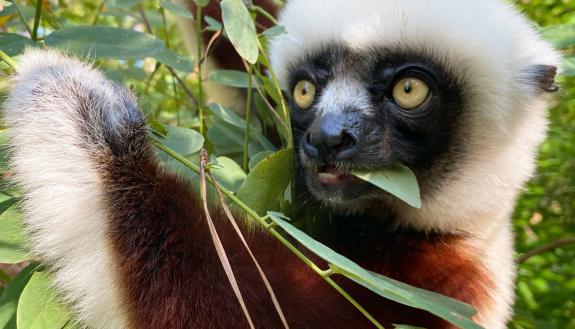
(410, 93)
(304, 94)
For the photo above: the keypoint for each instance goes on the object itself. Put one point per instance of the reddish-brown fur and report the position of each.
(171, 276)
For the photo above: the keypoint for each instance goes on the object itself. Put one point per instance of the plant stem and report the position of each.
(248, 119)
(264, 13)
(199, 42)
(279, 92)
(545, 248)
(37, 19)
(270, 228)
(9, 61)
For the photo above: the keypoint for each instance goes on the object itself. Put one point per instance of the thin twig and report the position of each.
(22, 18)
(248, 117)
(199, 42)
(545, 248)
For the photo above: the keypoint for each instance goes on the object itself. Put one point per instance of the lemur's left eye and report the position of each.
(304, 94)
(410, 93)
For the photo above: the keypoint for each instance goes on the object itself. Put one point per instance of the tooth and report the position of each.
(327, 176)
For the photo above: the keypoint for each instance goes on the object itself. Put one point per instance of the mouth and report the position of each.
(330, 176)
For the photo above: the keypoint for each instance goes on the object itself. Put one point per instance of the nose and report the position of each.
(330, 141)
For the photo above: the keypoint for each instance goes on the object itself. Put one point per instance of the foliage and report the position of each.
(137, 43)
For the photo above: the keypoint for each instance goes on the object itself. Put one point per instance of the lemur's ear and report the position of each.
(543, 77)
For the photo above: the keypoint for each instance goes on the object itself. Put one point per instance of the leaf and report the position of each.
(176, 9)
(568, 66)
(459, 314)
(256, 159)
(105, 42)
(39, 307)
(124, 4)
(13, 242)
(9, 298)
(14, 44)
(562, 36)
(274, 31)
(202, 3)
(182, 140)
(231, 117)
(240, 29)
(174, 60)
(213, 25)
(232, 78)
(266, 183)
(228, 174)
(397, 180)
(6, 8)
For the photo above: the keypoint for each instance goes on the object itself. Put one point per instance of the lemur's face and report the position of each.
(355, 111)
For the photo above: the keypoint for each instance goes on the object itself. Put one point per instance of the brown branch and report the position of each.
(545, 248)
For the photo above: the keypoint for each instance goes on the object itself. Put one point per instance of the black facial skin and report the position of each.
(368, 139)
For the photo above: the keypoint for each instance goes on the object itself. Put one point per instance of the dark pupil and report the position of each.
(408, 87)
(304, 91)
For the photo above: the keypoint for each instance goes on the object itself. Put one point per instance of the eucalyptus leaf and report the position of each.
(213, 25)
(265, 185)
(240, 29)
(39, 307)
(274, 31)
(14, 44)
(9, 297)
(397, 180)
(176, 9)
(13, 242)
(232, 78)
(105, 42)
(383, 286)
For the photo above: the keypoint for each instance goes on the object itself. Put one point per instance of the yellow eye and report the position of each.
(304, 94)
(410, 93)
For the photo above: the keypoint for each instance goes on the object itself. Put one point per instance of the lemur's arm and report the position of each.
(127, 241)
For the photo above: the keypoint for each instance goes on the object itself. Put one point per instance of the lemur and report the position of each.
(454, 90)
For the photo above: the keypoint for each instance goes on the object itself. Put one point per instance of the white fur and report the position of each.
(488, 46)
(64, 208)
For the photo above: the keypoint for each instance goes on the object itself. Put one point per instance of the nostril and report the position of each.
(308, 146)
(347, 148)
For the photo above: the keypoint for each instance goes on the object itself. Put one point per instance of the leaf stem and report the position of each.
(37, 17)
(264, 13)
(279, 92)
(199, 42)
(9, 61)
(248, 118)
(22, 18)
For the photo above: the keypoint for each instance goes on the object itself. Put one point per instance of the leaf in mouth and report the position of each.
(397, 180)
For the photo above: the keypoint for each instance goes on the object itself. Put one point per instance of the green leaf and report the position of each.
(232, 78)
(562, 36)
(13, 242)
(228, 173)
(176, 9)
(397, 180)
(105, 42)
(231, 117)
(274, 31)
(14, 44)
(569, 66)
(458, 313)
(256, 159)
(9, 298)
(201, 3)
(265, 185)
(174, 60)
(240, 29)
(6, 8)
(183, 140)
(124, 4)
(39, 307)
(213, 25)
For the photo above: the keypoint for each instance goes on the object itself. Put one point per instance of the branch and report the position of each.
(545, 248)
